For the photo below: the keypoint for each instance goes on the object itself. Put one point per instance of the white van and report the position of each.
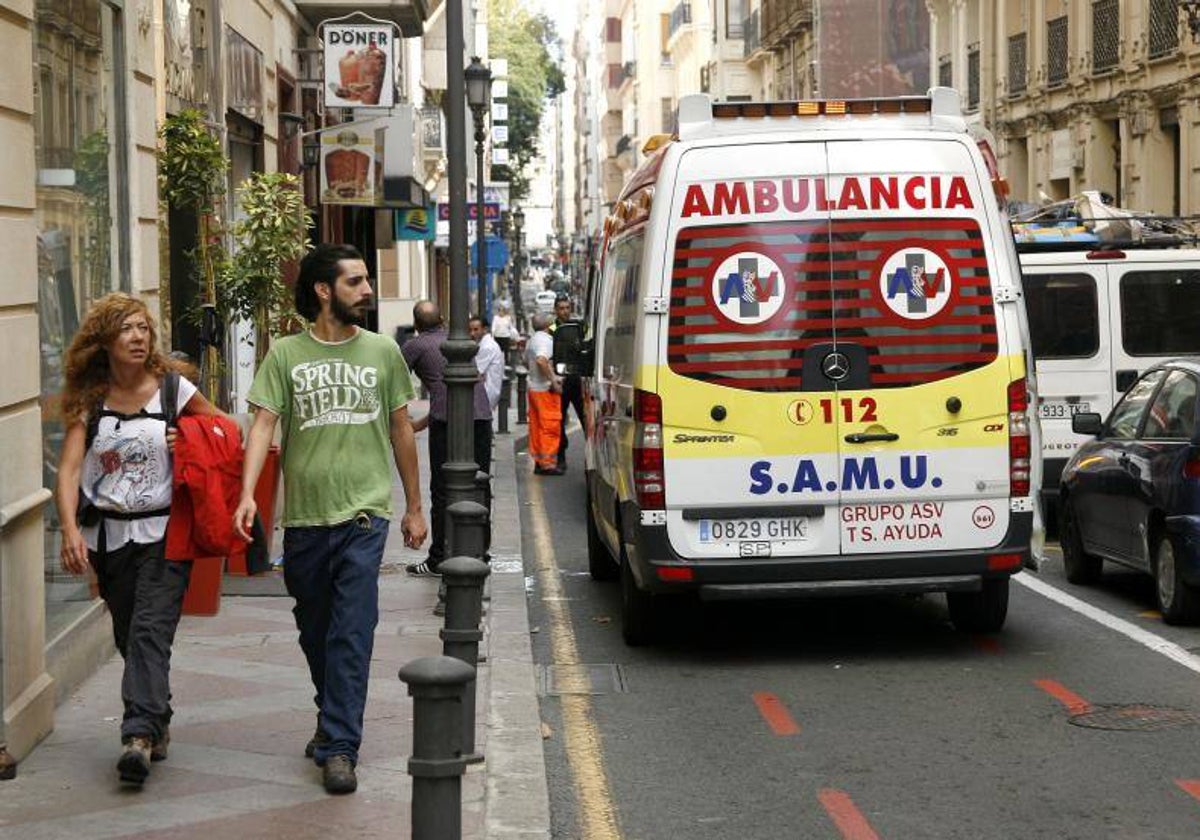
(1099, 318)
(807, 371)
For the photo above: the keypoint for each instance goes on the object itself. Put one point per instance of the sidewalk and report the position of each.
(244, 711)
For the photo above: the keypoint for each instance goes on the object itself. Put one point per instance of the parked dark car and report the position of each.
(1132, 495)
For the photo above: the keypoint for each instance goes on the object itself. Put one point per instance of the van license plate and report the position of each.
(733, 530)
(1062, 410)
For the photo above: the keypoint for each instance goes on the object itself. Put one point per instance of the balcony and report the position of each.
(629, 70)
(681, 16)
(783, 20)
(624, 144)
(751, 36)
(409, 15)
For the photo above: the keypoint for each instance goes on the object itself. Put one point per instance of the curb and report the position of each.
(517, 799)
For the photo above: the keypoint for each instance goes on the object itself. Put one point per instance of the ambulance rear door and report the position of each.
(751, 470)
(921, 364)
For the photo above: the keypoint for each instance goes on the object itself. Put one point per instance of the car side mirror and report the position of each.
(573, 354)
(1087, 423)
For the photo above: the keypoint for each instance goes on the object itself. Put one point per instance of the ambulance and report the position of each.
(806, 369)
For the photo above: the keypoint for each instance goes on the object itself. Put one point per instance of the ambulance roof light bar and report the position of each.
(697, 112)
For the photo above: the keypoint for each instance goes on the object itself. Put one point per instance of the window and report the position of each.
(1063, 315)
(1127, 416)
(735, 13)
(1158, 312)
(612, 30)
(620, 309)
(1164, 27)
(1106, 35)
(668, 116)
(1057, 51)
(1016, 65)
(664, 36)
(81, 243)
(945, 72)
(973, 77)
(1173, 413)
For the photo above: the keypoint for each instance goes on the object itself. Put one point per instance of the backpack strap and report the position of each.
(168, 397)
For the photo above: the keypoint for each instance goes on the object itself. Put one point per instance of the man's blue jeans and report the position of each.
(333, 574)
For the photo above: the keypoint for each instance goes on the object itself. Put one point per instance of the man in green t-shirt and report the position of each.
(341, 393)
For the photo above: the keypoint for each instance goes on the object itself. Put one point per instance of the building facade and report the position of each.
(1081, 94)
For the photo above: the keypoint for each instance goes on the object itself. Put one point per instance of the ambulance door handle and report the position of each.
(874, 437)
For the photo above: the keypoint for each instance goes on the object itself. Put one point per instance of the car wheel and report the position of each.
(980, 612)
(1081, 567)
(1177, 601)
(600, 562)
(639, 622)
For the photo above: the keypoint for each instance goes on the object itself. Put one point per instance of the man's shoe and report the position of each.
(319, 737)
(422, 569)
(158, 752)
(339, 775)
(134, 765)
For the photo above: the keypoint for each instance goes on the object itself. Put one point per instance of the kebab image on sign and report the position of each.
(347, 164)
(357, 62)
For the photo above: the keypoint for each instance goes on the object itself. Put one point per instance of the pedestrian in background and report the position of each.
(489, 360)
(502, 328)
(545, 403)
(572, 385)
(116, 465)
(342, 394)
(423, 353)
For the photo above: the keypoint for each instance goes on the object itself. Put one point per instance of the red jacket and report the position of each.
(206, 488)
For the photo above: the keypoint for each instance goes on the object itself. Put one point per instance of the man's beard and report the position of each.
(347, 315)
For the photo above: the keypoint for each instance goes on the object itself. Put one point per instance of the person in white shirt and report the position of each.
(502, 328)
(489, 358)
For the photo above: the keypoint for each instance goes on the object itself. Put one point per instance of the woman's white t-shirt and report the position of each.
(501, 326)
(128, 469)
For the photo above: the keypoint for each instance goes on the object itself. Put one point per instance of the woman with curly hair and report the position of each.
(116, 466)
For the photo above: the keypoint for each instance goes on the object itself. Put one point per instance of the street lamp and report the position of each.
(479, 97)
(518, 220)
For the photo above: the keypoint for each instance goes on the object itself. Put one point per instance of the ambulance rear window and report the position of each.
(748, 301)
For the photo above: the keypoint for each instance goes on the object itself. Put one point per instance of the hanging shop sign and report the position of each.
(417, 224)
(350, 166)
(360, 63)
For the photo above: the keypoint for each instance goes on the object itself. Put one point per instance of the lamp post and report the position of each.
(518, 220)
(479, 97)
(459, 350)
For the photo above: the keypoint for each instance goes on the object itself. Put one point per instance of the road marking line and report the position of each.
(581, 739)
(1189, 786)
(1128, 629)
(1075, 704)
(848, 819)
(775, 713)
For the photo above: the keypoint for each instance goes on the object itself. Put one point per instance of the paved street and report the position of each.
(244, 711)
(862, 718)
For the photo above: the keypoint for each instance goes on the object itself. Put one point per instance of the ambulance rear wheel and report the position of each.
(980, 612)
(600, 561)
(639, 624)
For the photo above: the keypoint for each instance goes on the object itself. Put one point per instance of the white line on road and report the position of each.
(1128, 629)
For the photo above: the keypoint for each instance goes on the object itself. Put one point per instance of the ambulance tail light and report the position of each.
(1019, 439)
(649, 482)
(1191, 467)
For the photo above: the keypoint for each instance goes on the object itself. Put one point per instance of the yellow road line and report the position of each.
(581, 740)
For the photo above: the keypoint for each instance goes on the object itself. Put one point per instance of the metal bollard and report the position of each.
(467, 531)
(464, 577)
(437, 685)
(505, 402)
(522, 406)
(483, 495)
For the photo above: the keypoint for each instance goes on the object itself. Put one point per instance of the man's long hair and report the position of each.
(320, 265)
(88, 375)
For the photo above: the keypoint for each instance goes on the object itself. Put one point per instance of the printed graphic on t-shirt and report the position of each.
(331, 392)
(132, 470)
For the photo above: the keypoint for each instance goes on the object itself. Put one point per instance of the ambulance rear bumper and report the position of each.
(807, 576)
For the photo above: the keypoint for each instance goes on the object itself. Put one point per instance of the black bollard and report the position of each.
(505, 402)
(522, 406)
(483, 495)
(437, 685)
(467, 534)
(464, 577)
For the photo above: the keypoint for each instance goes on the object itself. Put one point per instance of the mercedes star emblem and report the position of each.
(835, 366)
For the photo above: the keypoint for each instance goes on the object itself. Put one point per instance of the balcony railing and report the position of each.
(629, 69)
(681, 15)
(1106, 35)
(1016, 64)
(624, 144)
(751, 35)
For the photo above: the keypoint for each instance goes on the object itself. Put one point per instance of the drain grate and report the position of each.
(1134, 718)
(594, 679)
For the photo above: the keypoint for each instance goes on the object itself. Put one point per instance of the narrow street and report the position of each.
(859, 718)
